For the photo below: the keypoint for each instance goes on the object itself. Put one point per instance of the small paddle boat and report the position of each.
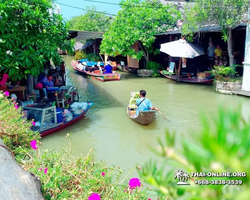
(144, 117)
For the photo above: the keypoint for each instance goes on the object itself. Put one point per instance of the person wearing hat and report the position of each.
(108, 68)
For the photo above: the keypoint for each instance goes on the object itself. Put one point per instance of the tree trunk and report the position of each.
(94, 45)
(30, 84)
(179, 71)
(230, 47)
(16, 183)
(145, 53)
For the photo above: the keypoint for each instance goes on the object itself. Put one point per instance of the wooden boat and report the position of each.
(104, 77)
(62, 125)
(97, 75)
(189, 79)
(144, 117)
(122, 68)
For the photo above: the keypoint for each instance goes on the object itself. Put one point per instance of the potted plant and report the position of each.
(226, 79)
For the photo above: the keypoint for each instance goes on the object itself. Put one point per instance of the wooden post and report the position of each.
(179, 70)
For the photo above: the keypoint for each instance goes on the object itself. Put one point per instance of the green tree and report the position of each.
(91, 21)
(137, 21)
(29, 36)
(225, 13)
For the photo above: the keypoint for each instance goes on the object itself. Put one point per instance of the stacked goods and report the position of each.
(132, 101)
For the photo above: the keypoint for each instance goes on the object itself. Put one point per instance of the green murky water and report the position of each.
(120, 141)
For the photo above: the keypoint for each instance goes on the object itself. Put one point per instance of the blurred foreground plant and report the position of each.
(222, 146)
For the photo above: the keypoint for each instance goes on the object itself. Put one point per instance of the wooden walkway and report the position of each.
(241, 92)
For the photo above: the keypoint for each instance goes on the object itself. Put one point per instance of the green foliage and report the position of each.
(71, 51)
(90, 21)
(15, 129)
(138, 20)
(155, 67)
(167, 72)
(80, 55)
(93, 57)
(225, 13)
(221, 146)
(77, 178)
(223, 73)
(30, 37)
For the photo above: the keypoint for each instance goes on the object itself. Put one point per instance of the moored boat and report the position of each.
(122, 68)
(64, 125)
(49, 119)
(188, 79)
(97, 75)
(144, 117)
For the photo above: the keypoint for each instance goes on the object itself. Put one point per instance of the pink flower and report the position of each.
(45, 170)
(16, 106)
(103, 173)
(33, 144)
(134, 182)
(94, 196)
(23, 122)
(139, 167)
(40, 169)
(149, 199)
(33, 123)
(7, 93)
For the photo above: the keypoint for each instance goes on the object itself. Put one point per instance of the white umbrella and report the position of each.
(78, 46)
(182, 48)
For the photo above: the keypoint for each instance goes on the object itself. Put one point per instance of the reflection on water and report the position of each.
(120, 141)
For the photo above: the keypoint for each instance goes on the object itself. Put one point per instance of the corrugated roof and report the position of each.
(84, 35)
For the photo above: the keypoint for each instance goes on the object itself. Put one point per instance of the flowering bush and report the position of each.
(14, 129)
(66, 177)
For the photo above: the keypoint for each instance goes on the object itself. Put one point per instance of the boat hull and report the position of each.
(67, 124)
(189, 80)
(122, 69)
(96, 75)
(144, 117)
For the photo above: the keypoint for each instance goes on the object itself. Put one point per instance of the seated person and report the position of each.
(81, 66)
(91, 69)
(47, 82)
(108, 68)
(144, 104)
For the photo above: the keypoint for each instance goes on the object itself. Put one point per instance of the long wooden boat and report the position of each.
(62, 125)
(144, 117)
(189, 80)
(97, 75)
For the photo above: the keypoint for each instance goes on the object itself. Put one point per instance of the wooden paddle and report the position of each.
(162, 115)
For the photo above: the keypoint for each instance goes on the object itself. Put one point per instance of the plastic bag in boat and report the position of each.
(78, 107)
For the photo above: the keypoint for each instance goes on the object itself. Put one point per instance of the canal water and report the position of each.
(122, 142)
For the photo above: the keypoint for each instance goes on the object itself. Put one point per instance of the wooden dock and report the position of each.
(241, 92)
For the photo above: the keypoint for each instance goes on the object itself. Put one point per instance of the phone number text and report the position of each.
(219, 182)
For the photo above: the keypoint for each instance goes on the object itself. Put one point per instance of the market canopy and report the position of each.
(182, 48)
(84, 35)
